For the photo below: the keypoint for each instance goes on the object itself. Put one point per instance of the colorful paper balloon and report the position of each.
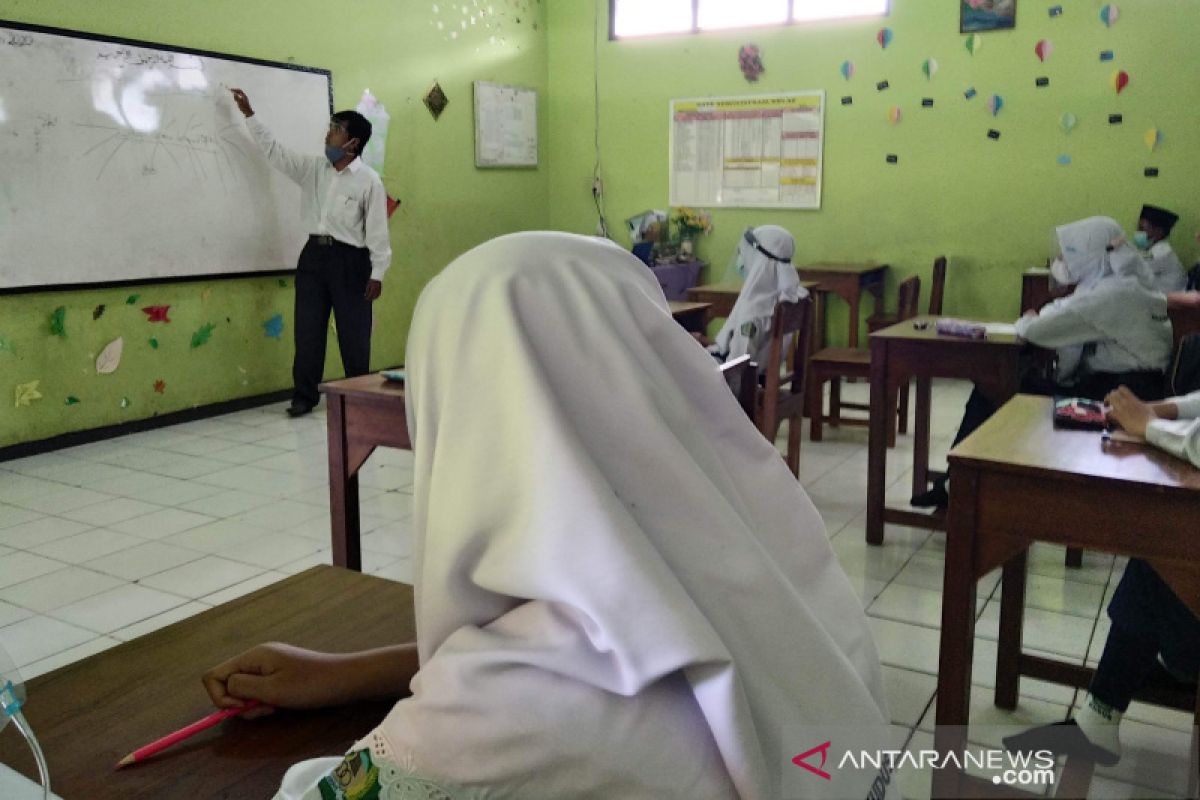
(847, 69)
(1109, 14)
(930, 67)
(884, 37)
(1064, 160)
(973, 43)
(894, 114)
(1043, 49)
(1120, 79)
(110, 357)
(1153, 139)
(995, 103)
(1068, 122)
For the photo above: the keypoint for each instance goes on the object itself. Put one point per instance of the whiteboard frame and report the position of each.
(480, 123)
(7, 25)
(741, 99)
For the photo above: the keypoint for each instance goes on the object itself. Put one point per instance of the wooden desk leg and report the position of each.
(821, 308)
(853, 301)
(1012, 620)
(1074, 558)
(878, 427)
(958, 629)
(920, 482)
(343, 490)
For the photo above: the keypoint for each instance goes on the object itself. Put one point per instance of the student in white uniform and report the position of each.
(1153, 630)
(1154, 226)
(764, 259)
(1112, 331)
(621, 590)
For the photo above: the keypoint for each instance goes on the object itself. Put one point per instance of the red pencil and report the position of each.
(157, 746)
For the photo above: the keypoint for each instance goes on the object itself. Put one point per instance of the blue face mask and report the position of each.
(1141, 240)
(334, 154)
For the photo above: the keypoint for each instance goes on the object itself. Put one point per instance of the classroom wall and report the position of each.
(395, 49)
(987, 204)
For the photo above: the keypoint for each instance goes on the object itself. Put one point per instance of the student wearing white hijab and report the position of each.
(621, 590)
(1112, 331)
(764, 259)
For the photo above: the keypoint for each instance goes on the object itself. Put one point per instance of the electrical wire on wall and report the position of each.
(597, 182)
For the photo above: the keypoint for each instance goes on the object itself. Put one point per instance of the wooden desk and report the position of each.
(847, 281)
(722, 296)
(1017, 480)
(1035, 289)
(692, 316)
(89, 714)
(903, 351)
(363, 413)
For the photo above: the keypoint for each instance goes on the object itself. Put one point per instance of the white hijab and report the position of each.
(771, 278)
(1090, 257)
(621, 590)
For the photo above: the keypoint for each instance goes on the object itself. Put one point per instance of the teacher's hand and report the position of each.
(374, 289)
(243, 102)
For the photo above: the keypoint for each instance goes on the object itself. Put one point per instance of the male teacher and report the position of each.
(344, 209)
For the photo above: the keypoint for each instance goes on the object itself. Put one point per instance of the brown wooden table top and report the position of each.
(736, 288)
(1021, 437)
(912, 330)
(89, 714)
(373, 385)
(861, 268)
(687, 307)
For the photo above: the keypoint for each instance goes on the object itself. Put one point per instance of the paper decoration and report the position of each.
(1106, 55)
(995, 103)
(993, 134)
(1153, 139)
(930, 68)
(156, 313)
(1064, 160)
(1109, 14)
(970, 93)
(110, 357)
(884, 37)
(392, 204)
(750, 62)
(98, 312)
(6, 345)
(124, 403)
(71, 400)
(153, 343)
(26, 393)
(1043, 49)
(973, 43)
(882, 85)
(1115, 119)
(847, 100)
(282, 283)
(1120, 79)
(926, 102)
(1041, 83)
(1055, 11)
(847, 69)
(435, 100)
(1151, 172)
(1068, 122)
(202, 335)
(132, 299)
(892, 158)
(58, 322)
(274, 326)
(894, 115)
(160, 386)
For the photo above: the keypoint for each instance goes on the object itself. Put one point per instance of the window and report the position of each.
(649, 17)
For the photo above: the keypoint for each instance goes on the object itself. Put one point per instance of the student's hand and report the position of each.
(243, 102)
(278, 676)
(1129, 412)
(374, 289)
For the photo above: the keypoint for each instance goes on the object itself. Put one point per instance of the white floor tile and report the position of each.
(68, 656)
(144, 560)
(226, 503)
(58, 589)
(88, 545)
(67, 498)
(109, 511)
(222, 536)
(202, 577)
(271, 550)
(19, 566)
(161, 523)
(282, 515)
(243, 588)
(15, 515)
(37, 637)
(117, 608)
(40, 531)
(159, 621)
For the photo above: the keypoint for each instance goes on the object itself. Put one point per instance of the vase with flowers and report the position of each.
(690, 223)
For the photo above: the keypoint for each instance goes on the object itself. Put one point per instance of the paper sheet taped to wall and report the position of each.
(755, 151)
(505, 126)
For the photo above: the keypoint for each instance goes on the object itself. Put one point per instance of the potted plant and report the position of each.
(690, 223)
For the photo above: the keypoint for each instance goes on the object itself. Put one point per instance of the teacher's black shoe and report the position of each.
(937, 497)
(298, 409)
(1061, 739)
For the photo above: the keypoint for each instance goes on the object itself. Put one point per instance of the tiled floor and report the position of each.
(108, 541)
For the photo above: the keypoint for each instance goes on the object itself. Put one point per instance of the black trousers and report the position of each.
(330, 277)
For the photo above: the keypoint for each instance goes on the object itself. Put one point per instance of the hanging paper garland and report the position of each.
(1068, 122)
(973, 43)
(1043, 49)
(1064, 160)
(995, 103)
(1153, 139)
(894, 115)
(930, 67)
(1120, 79)
(847, 69)
(884, 37)
(1109, 14)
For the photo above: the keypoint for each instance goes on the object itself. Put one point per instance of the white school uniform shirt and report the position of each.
(1167, 269)
(1179, 437)
(350, 205)
(621, 590)
(769, 281)
(1114, 309)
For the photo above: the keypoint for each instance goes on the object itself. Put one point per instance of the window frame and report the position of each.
(695, 29)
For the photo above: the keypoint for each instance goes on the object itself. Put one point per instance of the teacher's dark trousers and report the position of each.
(330, 276)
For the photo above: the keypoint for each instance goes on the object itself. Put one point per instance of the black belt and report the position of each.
(324, 239)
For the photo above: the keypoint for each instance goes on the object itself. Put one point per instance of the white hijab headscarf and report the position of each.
(621, 590)
(1089, 256)
(766, 255)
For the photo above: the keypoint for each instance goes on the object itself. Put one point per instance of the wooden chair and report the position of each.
(782, 396)
(742, 376)
(834, 363)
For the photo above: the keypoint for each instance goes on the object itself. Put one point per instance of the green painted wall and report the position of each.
(396, 49)
(988, 205)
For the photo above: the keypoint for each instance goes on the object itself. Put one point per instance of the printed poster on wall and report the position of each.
(753, 151)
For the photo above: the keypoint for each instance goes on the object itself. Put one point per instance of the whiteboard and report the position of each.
(505, 126)
(753, 151)
(127, 161)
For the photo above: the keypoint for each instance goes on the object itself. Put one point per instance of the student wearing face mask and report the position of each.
(1154, 226)
(341, 268)
(764, 260)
